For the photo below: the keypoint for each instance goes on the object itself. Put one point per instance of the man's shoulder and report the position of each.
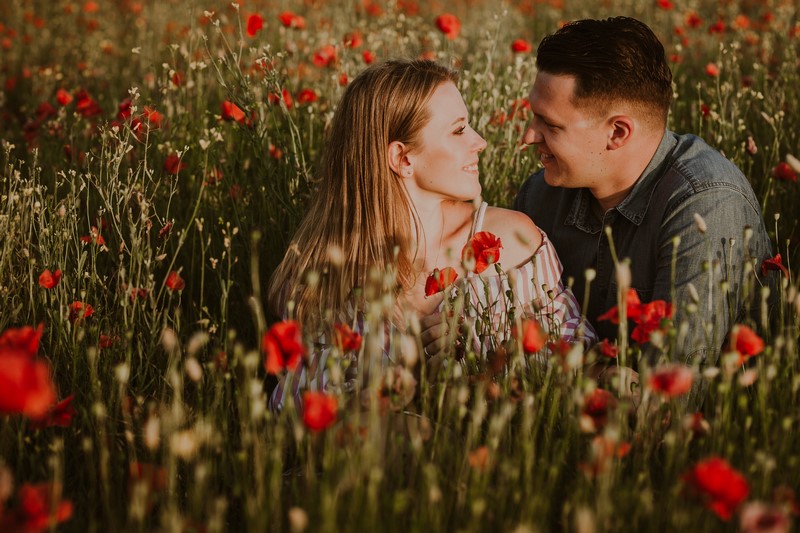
(705, 167)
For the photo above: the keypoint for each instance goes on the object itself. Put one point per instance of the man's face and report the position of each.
(571, 141)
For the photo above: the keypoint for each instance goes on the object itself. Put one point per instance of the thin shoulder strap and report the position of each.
(477, 220)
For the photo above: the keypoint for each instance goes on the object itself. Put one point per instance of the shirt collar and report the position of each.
(635, 205)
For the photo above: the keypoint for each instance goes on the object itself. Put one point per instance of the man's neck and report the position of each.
(631, 165)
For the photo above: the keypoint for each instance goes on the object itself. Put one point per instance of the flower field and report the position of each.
(157, 156)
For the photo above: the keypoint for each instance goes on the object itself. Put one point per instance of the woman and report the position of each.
(397, 180)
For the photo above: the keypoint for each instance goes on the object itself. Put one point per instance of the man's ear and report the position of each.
(398, 159)
(622, 128)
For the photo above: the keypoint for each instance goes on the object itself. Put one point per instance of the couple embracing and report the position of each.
(399, 180)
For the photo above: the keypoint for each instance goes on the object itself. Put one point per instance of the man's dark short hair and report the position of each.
(614, 59)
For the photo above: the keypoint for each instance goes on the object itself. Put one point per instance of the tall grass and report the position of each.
(171, 428)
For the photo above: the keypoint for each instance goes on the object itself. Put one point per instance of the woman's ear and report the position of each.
(398, 160)
(622, 130)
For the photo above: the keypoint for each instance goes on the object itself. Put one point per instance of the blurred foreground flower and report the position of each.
(671, 380)
(533, 337)
(39, 509)
(758, 517)
(25, 384)
(745, 341)
(283, 346)
(319, 410)
(345, 338)
(721, 488)
(59, 415)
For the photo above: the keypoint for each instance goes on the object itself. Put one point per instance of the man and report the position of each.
(675, 206)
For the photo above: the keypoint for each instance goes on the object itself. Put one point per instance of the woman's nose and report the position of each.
(480, 143)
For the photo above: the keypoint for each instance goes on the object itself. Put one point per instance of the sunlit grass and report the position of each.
(171, 428)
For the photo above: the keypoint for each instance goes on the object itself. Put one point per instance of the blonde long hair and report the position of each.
(361, 209)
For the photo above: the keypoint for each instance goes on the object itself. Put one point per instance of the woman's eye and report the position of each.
(460, 130)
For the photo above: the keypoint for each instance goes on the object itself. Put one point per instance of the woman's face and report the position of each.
(445, 161)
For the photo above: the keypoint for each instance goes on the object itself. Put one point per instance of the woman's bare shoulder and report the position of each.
(519, 235)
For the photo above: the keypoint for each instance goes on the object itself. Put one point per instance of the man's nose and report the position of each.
(532, 135)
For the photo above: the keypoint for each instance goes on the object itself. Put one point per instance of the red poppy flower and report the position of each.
(368, 56)
(48, 279)
(79, 311)
(632, 308)
(666, 5)
(776, 263)
(59, 415)
(608, 349)
(306, 96)
(152, 117)
(25, 339)
(596, 406)
(173, 164)
(85, 105)
(712, 70)
(155, 477)
(439, 280)
(479, 458)
(745, 341)
(521, 46)
(25, 384)
(290, 20)
(319, 410)
(63, 97)
(783, 172)
(36, 511)
(449, 25)
(138, 293)
(285, 95)
(353, 39)
(484, 247)
(693, 20)
(345, 338)
(175, 282)
(164, 232)
(124, 109)
(533, 337)
(721, 487)
(283, 346)
(325, 56)
(254, 24)
(94, 237)
(717, 27)
(106, 341)
(275, 152)
(653, 316)
(671, 380)
(232, 112)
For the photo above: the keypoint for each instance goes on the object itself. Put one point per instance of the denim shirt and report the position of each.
(711, 283)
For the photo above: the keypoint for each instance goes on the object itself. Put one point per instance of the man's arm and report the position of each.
(712, 285)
